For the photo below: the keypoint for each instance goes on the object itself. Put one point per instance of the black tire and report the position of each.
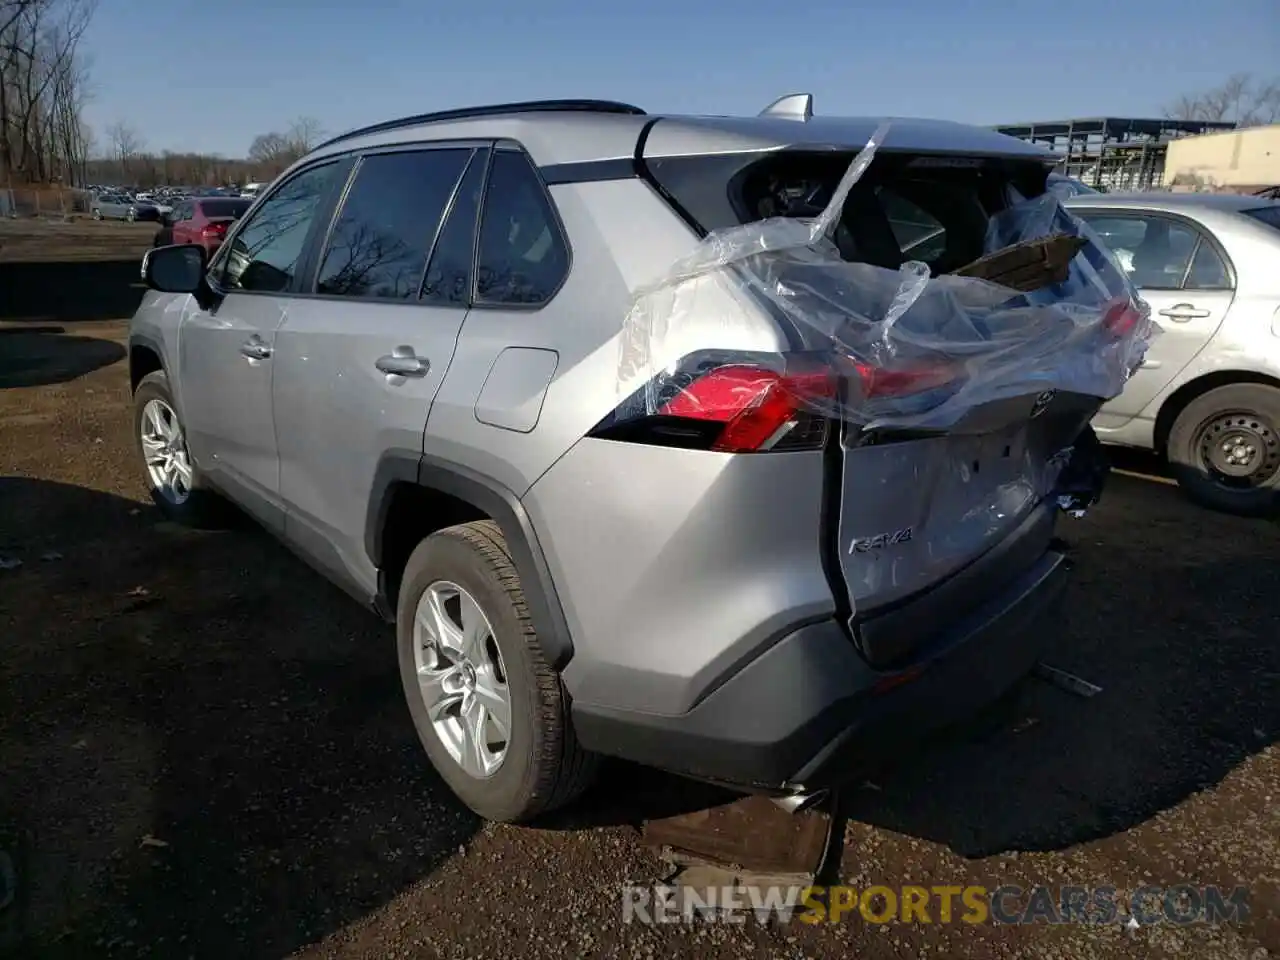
(163, 238)
(201, 508)
(97, 214)
(544, 767)
(1247, 410)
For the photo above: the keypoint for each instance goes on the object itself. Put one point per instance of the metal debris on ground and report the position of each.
(1066, 681)
(749, 842)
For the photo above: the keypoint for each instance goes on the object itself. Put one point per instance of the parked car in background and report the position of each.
(202, 220)
(1208, 395)
(110, 206)
(146, 210)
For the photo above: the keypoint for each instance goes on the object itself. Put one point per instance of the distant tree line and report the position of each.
(1242, 99)
(43, 88)
(126, 161)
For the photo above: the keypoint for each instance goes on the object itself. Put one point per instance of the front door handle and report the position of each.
(255, 348)
(1182, 312)
(403, 362)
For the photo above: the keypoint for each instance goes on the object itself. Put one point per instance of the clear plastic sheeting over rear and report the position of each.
(877, 347)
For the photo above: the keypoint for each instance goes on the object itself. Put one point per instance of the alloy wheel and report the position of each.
(461, 678)
(164, 449)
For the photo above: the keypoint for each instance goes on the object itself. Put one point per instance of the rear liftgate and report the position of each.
(1013, 353)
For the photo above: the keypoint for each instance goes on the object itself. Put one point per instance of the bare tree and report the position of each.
(1240, 99)
(126, 144)
(305, 134)
(42, 89)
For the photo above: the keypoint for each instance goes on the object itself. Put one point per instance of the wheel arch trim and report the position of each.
(500, 504)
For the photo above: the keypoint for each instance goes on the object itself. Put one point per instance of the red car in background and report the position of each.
(201, 220)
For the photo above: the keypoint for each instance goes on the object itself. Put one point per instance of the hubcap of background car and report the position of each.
(164, 449)
(1240, 449)
(461, 678)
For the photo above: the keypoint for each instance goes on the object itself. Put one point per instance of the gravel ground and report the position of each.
(206, 753)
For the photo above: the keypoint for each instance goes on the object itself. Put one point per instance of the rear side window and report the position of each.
(1268, 215)
(224, 208)
(1207, 272)
(523, 257)
(380, 243)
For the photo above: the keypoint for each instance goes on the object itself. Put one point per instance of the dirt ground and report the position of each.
(206, 754)
(77, 239)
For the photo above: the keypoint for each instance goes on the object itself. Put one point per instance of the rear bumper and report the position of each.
(810, 711)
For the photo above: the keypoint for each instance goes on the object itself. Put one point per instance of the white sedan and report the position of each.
(1208, 395)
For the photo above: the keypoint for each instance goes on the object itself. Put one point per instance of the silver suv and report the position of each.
(404, 362)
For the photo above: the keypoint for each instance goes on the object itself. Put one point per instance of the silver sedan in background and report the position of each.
(1208, 395)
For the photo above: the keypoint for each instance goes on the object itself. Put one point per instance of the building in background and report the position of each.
(1113, 153)
(1237, 161)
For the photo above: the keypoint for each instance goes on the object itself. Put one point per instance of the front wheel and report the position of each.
(492, 715)
(173, 479)
(1224, 449)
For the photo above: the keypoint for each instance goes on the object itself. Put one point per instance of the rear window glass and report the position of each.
(900, 210)
(224, 208)
(1268, 215)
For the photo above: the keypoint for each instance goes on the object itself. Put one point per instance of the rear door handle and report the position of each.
(1182, 312)
(255, 348)
(403, 362)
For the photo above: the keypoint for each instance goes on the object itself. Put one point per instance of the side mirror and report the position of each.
(177, 269)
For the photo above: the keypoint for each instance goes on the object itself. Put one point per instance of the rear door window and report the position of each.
(379, 244)
(1155, 251)
(448, 279)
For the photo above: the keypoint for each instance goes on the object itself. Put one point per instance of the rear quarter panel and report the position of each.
(621, 236)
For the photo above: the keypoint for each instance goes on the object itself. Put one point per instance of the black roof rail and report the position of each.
(492, 110)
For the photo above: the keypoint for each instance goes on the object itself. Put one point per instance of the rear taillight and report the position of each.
(1121, 317)
(756, 407)
(743, 408)
(877, 383)
(214, 231)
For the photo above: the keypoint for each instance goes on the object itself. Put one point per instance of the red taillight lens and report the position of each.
(755, 405)
(214, 231)
(1121, 317)
(878, 383)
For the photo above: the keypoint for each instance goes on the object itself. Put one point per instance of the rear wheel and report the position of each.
(163, 238)
(97, 214)
(492, 715)
(1224, 449)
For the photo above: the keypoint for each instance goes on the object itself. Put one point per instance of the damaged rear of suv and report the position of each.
(733, 446)
(847, 421)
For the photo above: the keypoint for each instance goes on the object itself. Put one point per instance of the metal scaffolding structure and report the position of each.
(1112, 153)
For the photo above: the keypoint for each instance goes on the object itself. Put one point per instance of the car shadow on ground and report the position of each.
(36, 356)
(205, 746)
(60, 291)
(1171, 612)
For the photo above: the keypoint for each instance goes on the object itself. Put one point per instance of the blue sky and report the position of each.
(204, 76)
